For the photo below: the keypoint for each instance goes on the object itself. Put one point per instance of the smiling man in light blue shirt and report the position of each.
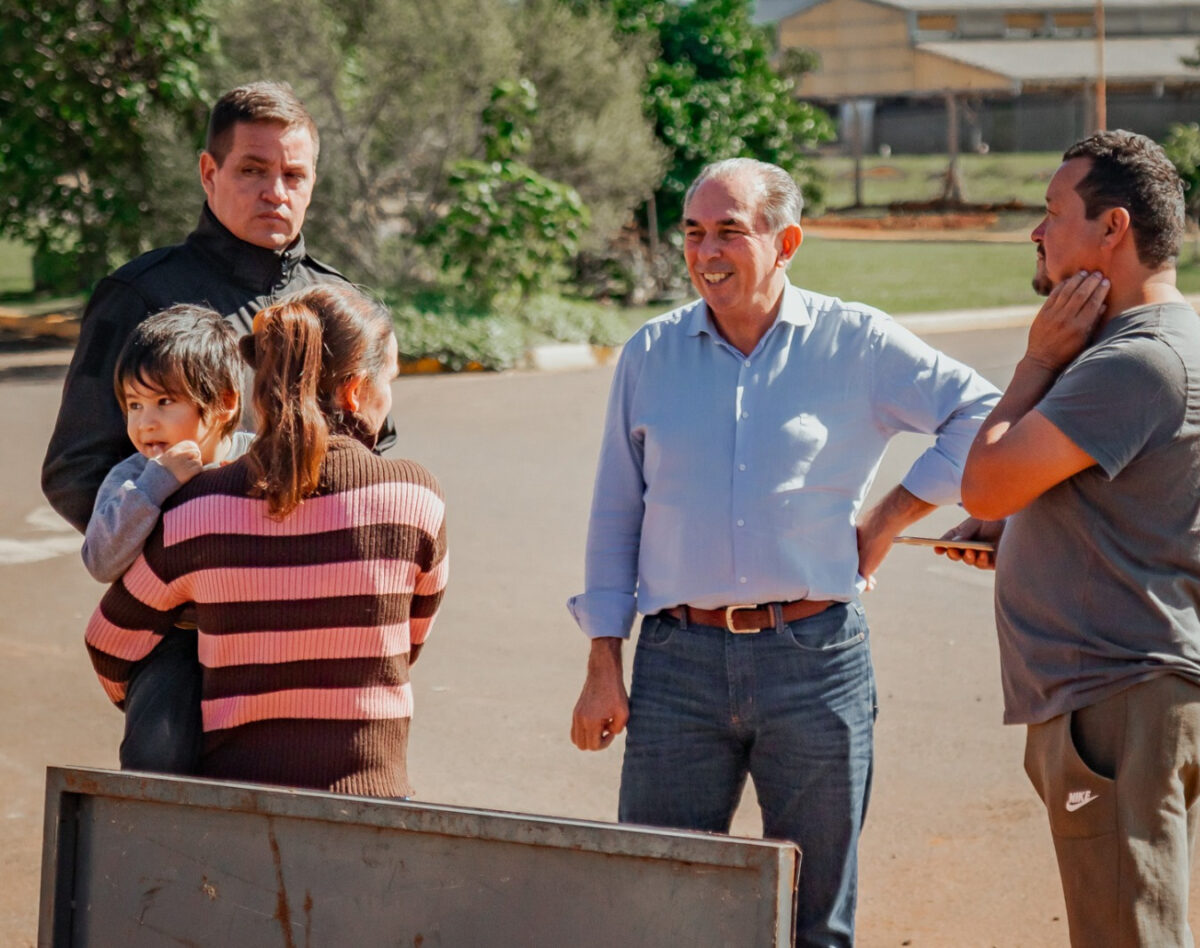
(743, 433)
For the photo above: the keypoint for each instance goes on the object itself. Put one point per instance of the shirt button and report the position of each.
(745, 414)
(741, 523)
(741, 467)
(746, 363)
(741, 579)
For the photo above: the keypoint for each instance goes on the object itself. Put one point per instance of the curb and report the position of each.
(61, 326)
(559, 357)
(568, 356)
(564, 357)
(431, 366)
(552, 357)
(1000, 317)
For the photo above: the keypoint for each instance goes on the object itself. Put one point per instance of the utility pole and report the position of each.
(1101, 89)
(952, 185)
(856, 140)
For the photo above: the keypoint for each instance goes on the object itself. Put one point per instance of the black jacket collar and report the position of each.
(256, 267)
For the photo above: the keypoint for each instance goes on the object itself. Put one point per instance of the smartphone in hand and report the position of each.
(986, 545)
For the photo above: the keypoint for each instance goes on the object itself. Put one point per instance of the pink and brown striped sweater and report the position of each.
(305, 624)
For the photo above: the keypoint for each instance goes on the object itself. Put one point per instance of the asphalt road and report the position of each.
(955, 853)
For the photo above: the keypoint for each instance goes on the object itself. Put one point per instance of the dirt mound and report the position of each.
(948, 221)
(933, 215)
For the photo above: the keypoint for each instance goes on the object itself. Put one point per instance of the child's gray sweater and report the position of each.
(127, 509)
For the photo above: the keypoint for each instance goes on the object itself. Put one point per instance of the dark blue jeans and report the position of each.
(163, 730)
(793, 708)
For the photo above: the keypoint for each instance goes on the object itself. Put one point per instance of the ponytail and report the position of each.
(302, 350)
(293, 435)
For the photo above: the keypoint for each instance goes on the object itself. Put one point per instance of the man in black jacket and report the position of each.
(258, 169)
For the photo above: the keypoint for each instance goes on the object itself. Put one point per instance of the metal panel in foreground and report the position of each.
(137, 860)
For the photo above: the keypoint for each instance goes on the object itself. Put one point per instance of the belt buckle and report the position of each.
(730, 610)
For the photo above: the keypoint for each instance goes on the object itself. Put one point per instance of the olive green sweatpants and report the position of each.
(1120, 780)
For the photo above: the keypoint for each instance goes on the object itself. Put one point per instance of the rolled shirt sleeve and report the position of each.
(609, 605)
(919, 389)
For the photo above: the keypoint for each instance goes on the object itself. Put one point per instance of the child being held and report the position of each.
(178, 380)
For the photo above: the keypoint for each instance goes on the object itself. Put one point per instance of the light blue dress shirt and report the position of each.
(727, 478)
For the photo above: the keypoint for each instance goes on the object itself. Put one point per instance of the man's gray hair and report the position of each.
(781, 201)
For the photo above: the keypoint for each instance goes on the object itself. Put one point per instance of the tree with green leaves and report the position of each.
(88, 92)
(506, 228)
(397, 89)
(589, 130)
(388, 83)
(1182, 146)
(714, 94)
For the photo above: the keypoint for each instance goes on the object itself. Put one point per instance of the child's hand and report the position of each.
(182, 460)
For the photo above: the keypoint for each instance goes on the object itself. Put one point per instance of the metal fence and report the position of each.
(135, 860)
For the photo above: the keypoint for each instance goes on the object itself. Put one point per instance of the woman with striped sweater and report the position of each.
(316, 567)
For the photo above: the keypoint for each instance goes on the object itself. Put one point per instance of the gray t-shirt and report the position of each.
(1098, 580)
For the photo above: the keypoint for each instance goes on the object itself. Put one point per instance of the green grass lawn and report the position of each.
(1189, 272)
(917, 277)
(896, 276)
(993, 178)
(922, 276)
(16, 273)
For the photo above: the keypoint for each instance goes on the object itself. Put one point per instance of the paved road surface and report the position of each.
(955, 851)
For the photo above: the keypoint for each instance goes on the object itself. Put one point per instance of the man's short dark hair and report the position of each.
(187, 351)
(270, 102)
(1132, 171)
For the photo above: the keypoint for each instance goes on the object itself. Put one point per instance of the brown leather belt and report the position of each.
(751, 617)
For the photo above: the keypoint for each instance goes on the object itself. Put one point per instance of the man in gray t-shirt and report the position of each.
(1100, 578)
(1093, 455)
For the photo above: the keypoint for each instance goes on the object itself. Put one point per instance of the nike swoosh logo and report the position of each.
(1078, 800)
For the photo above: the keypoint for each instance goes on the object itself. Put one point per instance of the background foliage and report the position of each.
(506, 228)
(398, 90)
(713, 93)
(424, 189)
(1182, 146)
(89, 91)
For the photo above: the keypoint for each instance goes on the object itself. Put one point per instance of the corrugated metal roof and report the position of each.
(947, 6)
(1074, 60)
(771, 11)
